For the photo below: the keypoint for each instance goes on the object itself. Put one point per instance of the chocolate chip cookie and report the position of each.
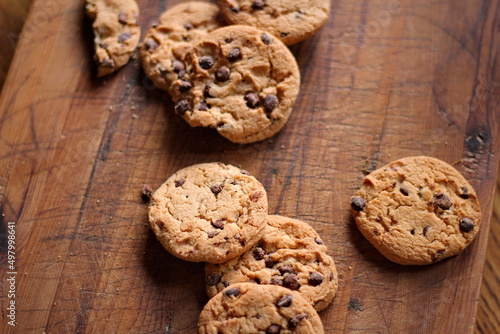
(290, 20)
(208, 212)
(290, 254)
(116, 32)
(417, 210)
(239, 80)
(164, 48)
(248, 308)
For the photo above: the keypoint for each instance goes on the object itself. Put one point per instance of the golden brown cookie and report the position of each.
(248, 308)
(290, 254)
(164, 47)
(240, 81)
(208, 212)
(290, 20)
(116, 32)
(417, 210)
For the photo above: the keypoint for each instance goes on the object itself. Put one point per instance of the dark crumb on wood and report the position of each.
(355, 305)
(146, 193)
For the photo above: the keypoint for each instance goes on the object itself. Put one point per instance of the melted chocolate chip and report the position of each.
(270, 102)
(259, 253)
(465, 193)
(234, 55)
(188, 26)
(269, 262)
(213, 279)
(182, 107)
(466, 224)
(179, 183)
(291, 281)
(265, 38)
(217, 188)
(219, 223)
(152, 45)
(441, 200)
(315, 279)
(146, 193)
(285, 301)
(285, 269)
(296, 319)
(232, 292)
(222, 74)
(273, 329)
(404, 191)
(252, 99)
(178, 66)
(206, 62)
(184, 86)
(124, 36)
(212, 234)
(258, 4)
(203, 106)
(276, 280)
(318, 241)
(358, 203)
(122, 18)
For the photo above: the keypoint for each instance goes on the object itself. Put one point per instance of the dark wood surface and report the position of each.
(380, 81)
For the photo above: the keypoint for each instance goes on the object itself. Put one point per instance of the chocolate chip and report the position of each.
(152, 45)
(258, 253)
(358, 203)
(285, 301)
(225, 283)
(269, 262)
(206, 91)
(296, 319)
(331, 277)
(188, 26)
(103, 45)
(439, 255)
(122, 18)
(404, 191)
(465, 193)
(412, 232)
(179, 183)
(219, 223)
(217, 188)
(212, 234)
(206, 62)
(285, 269)
(315, 279)
(185, 86)
(181, 107)
(276, 280)
(291, 281)
(241, 240)
(222, 74)
(466, 224)
(232, 292)
(146, 193)
(245, 172)
(213, 279)
(256, 196)
(426, 229)
(124, 36)
(108, 62)
(442, 201)
(203, 106)
(178, 66)
(265, 38)
(256, 280)
(376, 232)
(181, 74)
(234, 9)
(273, 329)
(252, 99)
(258, 4)
(270, 102)
(234, 55)
(284, 34)
(318, 241)
(228, 40)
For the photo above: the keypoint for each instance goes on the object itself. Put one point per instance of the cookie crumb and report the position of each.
(146, 193)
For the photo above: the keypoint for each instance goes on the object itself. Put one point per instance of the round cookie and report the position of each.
(208, 212)
(240, 81)
(290, 20)
(417, 210)
(166, 44)
(248, 308)
(290, 254)
(116, 32)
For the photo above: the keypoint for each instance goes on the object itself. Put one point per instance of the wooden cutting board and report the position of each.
(382, 80)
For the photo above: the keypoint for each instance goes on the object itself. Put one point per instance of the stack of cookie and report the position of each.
(217, 213)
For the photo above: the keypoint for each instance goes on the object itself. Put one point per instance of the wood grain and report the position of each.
(380, 81)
